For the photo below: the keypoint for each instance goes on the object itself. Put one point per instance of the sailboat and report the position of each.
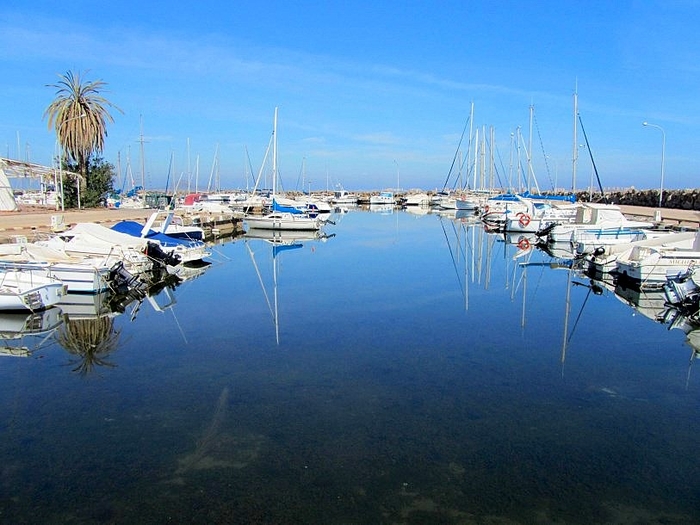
(281, 217)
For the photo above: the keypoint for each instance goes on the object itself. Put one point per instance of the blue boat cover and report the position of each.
(134, 228)
(276, 206)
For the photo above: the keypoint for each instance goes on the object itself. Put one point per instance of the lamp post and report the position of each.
(663, 157)
(556, 172)
(398, 178)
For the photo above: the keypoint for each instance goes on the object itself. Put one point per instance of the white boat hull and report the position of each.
(31, 290)
(283, 221)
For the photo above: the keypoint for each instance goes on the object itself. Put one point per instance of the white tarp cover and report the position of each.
(17, 169)
(7, 198)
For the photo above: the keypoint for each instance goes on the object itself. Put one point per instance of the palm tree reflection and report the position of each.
(89, 341)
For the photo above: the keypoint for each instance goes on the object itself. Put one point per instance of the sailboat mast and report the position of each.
(274, 155)
(470, 144)
(492, 160)
(574, 153)
(143, 161)
(529, 149)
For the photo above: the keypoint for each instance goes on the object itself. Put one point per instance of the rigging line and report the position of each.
(460, 250)
(530, 170)
(522, 275)
(567, 310)
(454, 262)
(170, 168)
(544, 153)
(177, 322)
(262, 284)
(216, 250)
(503, 168)
(590, 153)
(573, 329)
(250, 167)
(454, 159)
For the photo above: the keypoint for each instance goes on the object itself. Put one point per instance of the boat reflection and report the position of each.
(17, 327)
(287, 236)
(383, 209)
(280, 241)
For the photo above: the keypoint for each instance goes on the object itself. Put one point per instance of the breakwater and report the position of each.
(674, 199)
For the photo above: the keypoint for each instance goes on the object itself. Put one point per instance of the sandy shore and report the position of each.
(29, 221)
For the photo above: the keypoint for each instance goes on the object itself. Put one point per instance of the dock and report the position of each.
(34, 222)
(673, 218)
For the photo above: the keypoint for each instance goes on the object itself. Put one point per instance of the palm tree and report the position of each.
(79, 115)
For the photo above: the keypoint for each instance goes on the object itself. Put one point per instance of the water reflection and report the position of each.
(22, 333)
(279, 241)
(90, 342)
(653, 304)
(411, 389)
(83, 324)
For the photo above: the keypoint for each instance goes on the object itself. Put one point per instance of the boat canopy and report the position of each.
(276, 206)
(567, 198)
(135, 229)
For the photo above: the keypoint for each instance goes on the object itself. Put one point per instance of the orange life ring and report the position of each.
(523, 244)
(524, 220)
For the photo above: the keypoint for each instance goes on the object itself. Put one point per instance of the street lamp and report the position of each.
(663, 155)
(398, 178)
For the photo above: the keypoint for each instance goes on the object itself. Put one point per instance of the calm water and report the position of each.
(406, 370)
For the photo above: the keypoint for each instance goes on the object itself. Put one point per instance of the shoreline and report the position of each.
(36, 220)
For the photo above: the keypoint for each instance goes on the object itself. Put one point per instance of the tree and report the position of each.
(94, 192)
(79, 115)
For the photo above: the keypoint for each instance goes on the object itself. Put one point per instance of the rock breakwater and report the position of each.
(675, 199)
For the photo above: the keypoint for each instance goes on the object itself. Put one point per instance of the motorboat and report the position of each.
(603, 258)
(385, 197)
(596, 221)
(417, 199)
(650, 266)
(186, 249)
(86, 239)
(343, 197)
(29, 289)
(80, 274)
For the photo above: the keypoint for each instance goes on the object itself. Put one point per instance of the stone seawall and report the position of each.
(675, 199)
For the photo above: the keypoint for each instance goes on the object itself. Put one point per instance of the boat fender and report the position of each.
(523, 244)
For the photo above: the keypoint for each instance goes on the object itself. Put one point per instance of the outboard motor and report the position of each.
(120, 280)
(156, 253)
(545, 231)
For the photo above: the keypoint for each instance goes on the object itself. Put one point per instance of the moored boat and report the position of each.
(651, 266)
(29, 289)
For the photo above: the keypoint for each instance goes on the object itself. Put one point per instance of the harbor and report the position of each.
(467, 383)
(30, 220)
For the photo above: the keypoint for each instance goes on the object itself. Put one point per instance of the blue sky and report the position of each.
(370, 94)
